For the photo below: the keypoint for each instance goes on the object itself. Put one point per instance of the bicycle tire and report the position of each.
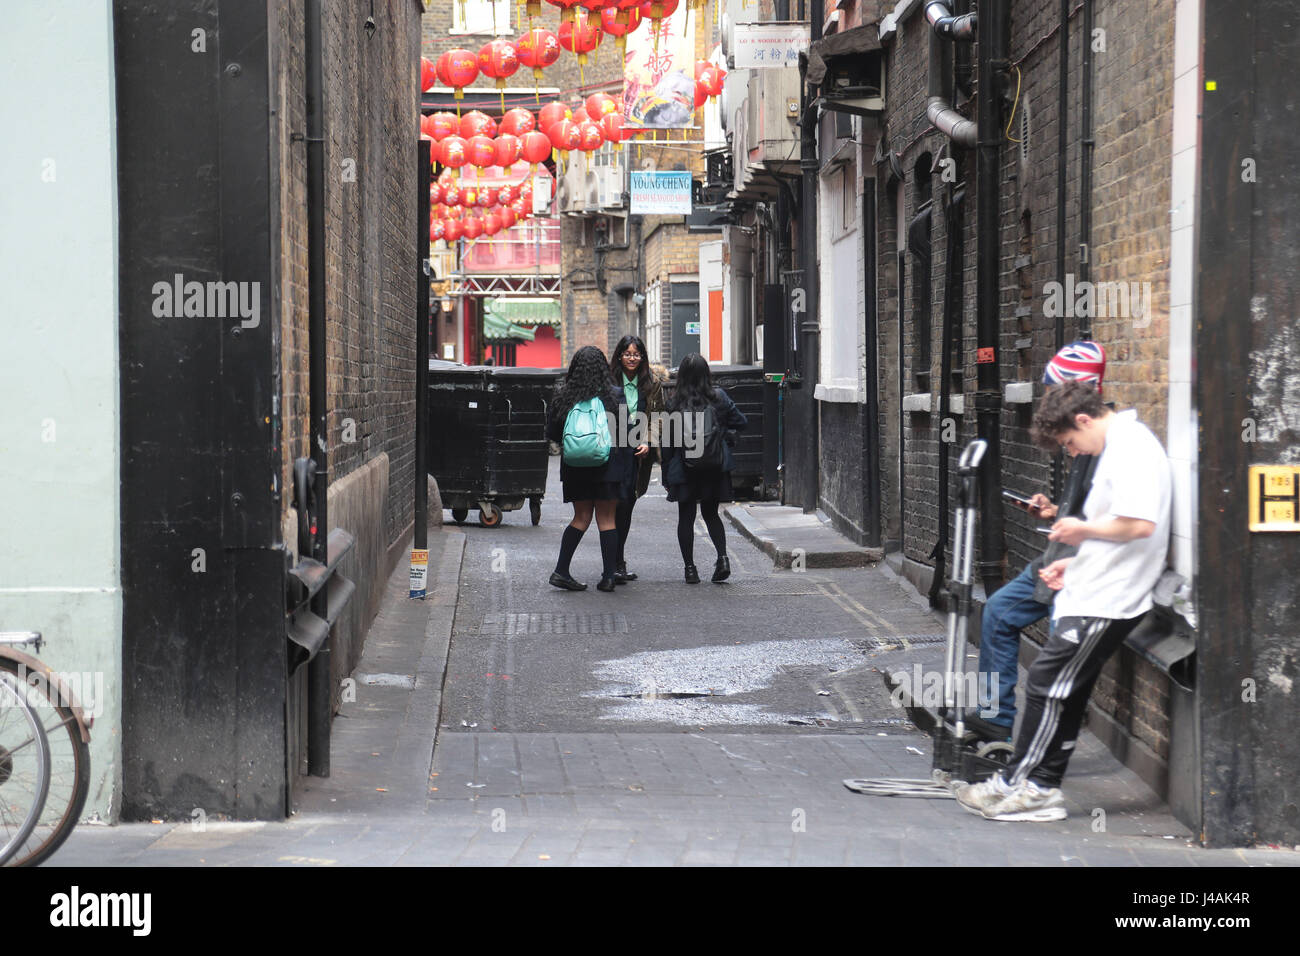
(69, 772)
(12, 699)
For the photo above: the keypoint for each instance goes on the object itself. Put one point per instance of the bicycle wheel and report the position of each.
(24, 771)
(69, 768)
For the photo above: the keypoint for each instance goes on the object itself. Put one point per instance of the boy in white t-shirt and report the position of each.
(1103, 592)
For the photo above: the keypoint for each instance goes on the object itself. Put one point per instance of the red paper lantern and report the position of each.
(473, 227)
(458, 69)
(492, 223)
(517, 122)
(708, 76)
(658, 9)
(550, 114)
(436, 193)
(538, 48)
(611, 125)
(598, 104)
(451, 195)
(428, 74)
(596, 6)
(508, 217)
(701, 94)
(499, 60)
(567, 8)
(453, 152)
(443, 124)
(508, 194)
(482, 151)
(565, 135)
(487, 197)
(619, 21)
(507, 149)
(469, 197)
(477, 123)
(535, 147)
(581, 35)
(437, 230)
(453, 230)
(590, 138)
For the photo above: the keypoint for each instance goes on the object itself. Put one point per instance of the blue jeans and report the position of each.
(1011, 608)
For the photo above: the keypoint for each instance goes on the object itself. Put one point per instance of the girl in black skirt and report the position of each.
(597, 489)
(642, 386)
(692, 486)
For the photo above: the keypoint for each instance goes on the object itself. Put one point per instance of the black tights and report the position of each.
(686, 528)
(623, 522)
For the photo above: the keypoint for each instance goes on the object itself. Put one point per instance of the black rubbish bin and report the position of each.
(488, 447)
(744, 384)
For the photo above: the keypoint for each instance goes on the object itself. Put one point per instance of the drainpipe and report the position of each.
(809, 326)
(938, 109)
(1062, 161)
(1085, 163)
(992, 64)
(319, 689)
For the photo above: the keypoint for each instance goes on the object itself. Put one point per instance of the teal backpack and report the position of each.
(586, 435)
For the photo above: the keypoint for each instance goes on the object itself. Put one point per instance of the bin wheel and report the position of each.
(460, 514)
(996, 750)
(490, 516)
(535, 509)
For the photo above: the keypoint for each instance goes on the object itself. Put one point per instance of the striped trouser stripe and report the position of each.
(1056, 696)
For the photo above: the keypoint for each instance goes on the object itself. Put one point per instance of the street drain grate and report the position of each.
(887, 639)
(515, 625)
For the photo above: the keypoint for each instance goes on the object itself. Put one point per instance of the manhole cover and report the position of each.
(514, 625)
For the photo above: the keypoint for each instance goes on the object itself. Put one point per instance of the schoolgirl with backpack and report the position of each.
(697, 464)
(595, 471)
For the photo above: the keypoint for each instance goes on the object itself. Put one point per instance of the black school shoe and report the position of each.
(566, 582)
(721, 570)
(692, 575)
(622, 575)
(606, 584)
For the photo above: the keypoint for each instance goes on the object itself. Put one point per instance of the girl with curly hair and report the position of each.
(643, 387)
(591, 489)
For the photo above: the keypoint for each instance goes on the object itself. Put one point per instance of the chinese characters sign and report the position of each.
(659, 73)
(770, 45)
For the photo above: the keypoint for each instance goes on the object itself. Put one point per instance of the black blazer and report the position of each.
(621, 466)
(730, 418)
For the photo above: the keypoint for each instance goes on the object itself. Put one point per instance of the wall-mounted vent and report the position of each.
(1024, 133)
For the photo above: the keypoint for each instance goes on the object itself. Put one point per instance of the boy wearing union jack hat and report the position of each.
(1026, 598)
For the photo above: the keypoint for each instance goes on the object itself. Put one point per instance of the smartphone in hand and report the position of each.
(1020, 501)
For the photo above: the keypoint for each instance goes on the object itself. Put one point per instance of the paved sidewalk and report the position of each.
(796, 539)
(547, 752)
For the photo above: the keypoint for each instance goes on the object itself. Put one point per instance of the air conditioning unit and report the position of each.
(611, 187)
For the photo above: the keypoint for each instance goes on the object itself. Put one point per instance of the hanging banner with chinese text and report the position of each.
(769, 45)
(660, 194)
(659, 73)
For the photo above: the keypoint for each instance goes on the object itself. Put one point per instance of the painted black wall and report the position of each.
(204, 656)
(1247, 298)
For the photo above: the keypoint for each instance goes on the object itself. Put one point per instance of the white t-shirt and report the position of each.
(1114, 579)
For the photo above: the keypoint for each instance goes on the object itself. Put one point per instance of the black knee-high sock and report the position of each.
(686, 530)
(623, 521)
(568, 544)
(609, 551)
(712, 521)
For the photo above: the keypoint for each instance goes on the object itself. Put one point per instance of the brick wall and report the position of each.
(1132, 110)
(371, 126)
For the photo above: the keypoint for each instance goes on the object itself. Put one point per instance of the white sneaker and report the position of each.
(1029, 803)
(980, 797)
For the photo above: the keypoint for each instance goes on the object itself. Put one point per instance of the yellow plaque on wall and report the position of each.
(1274, 498)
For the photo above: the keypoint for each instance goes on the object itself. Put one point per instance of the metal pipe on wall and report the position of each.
(320, 695)
(991, 56)
(424, 175)
(1085, 162)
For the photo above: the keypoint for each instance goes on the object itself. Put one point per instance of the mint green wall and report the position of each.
(59, 425)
